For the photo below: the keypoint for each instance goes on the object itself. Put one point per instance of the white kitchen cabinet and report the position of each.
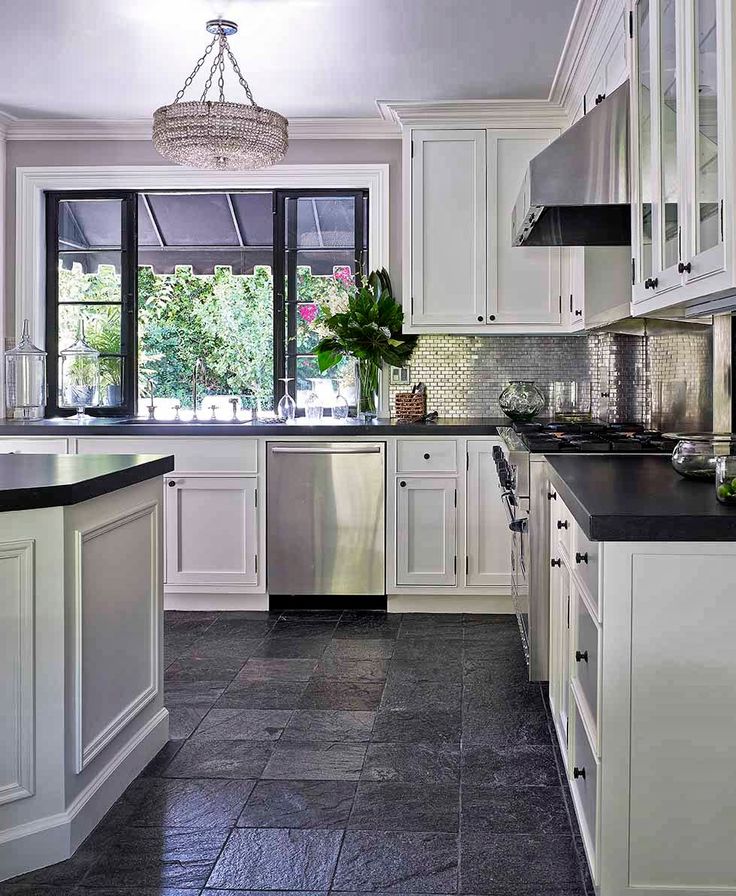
(448, 241)
(488, 539)
(211, 530)
(683, 187)
(559, 635)
(426, 531)
(462, 273)
(613, 68)
(33, 446)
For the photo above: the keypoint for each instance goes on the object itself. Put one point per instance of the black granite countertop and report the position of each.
(639, 498)
(31, 481)
(111, 426)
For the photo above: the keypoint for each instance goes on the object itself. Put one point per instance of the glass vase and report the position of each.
(521, 400)
(367, 389)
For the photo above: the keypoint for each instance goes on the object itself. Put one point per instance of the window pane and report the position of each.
(645, 141)
(254, 214)
(193, 219)
(668, 128)
(340, 379)
(95, 278)
(111, 379)
(326, 222)
(707, 161)
(89, 223)
(101, 327)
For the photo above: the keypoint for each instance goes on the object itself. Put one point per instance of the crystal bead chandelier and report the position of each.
(214, 133)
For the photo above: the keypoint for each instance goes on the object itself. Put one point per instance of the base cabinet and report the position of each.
(211, 530)
(488, 542)
(426, 510)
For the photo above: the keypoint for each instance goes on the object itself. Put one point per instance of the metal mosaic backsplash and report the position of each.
(619, 377)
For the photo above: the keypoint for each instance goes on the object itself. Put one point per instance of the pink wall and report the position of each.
(133, 152)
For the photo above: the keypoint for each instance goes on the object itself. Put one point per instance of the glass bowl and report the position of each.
(696, 453)
(521, 400)
(726, 479)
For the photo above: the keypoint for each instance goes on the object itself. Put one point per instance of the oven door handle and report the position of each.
(509, 503)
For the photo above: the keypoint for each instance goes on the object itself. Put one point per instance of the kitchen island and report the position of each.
(81, 697)
(643, 671)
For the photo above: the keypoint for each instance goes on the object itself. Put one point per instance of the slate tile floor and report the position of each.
(346, 753)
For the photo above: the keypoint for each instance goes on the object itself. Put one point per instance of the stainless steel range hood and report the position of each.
(576, 191)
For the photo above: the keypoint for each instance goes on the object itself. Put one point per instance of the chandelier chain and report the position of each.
(221, 60)
(197, 67)
(210, 76)
(236, 69)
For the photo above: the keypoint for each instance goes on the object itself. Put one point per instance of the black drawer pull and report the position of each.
(551, 496)
(581, 558)
(402, 484)
(562, 524)
(651, 283)
(580, 657)
(426, 456)
(578, 773)
(681, 267)
(480, 318)
(172, 484)
(556, 562)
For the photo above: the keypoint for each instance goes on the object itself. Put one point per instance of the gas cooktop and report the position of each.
(591, 437)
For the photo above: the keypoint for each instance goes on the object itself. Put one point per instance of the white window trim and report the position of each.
(32, 183)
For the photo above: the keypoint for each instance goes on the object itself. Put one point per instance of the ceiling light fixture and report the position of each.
(215, 133)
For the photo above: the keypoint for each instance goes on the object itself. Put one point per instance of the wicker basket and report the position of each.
(411, 404)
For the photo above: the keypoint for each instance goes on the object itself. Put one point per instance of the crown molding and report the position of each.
(503, 113)
(5, 122)
(140, 129)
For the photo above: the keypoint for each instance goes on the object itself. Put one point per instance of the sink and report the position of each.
(144, 421)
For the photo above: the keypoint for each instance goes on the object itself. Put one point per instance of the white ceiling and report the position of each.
(120, 59)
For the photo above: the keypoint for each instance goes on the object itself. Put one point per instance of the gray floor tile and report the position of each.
(225, 644)
(353, 667)
(195, 667)
(277, 669)
(332, 693)
(184, 719)
(256, 859)
(244, 724)
(396, 862)
(407, 692)
(509, 728)
(290, 648)
(360, 648)
(163, 759)
(299, 804)
(333, 725)
(513, 810)
(192, 804)
(391, 806)
(142, 857)
(206, 758)
(417, 726)
(262, 693)
(412, 763)
(316, 762)
(519, 765)
(490, 861)
(359, 626)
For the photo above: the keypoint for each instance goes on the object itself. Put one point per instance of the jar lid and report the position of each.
(25, 346)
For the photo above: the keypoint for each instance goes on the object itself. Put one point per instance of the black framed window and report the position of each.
(237, 278)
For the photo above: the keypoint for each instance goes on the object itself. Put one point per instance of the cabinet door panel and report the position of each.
(33, 446)
(448, 227)
(488, 535)
(426, 532)
(211, 531)
(523, 283)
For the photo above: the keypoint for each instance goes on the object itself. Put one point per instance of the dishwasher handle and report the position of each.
(334, 449)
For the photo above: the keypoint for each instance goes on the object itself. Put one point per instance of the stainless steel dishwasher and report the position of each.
(325, 518)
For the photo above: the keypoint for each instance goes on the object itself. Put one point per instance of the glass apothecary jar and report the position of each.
(726, 479)
(80, 376)
(521, 400)
(696, 453)
(25, 379)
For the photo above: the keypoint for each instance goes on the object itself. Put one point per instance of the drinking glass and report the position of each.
(341, 408)
(286, 408)
(313, 407)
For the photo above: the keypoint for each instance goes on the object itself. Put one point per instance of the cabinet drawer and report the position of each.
(33, 446)
(585, 564)
(584, 787)
(426, 456)
(584, 661)
(198, 455)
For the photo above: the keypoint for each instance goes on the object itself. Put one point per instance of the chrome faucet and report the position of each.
(151, 405)
(198, 368)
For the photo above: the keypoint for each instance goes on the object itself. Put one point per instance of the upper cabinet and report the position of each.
(682, 115)
(462, 274)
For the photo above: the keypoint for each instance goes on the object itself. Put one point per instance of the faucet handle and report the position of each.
(151, 410)
(234, 402)
(213, 409)
(177, 408)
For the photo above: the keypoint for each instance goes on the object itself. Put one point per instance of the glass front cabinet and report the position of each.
(682, 115)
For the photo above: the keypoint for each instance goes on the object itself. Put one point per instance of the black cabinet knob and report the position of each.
(562, 524)
(551, 496)
(681, 268)
(491, 317)
(402, 484)
(578, 313)
(426, 456)
(556, 562)
(581, 656)
(581, 558)
(578, 773)
(172, 484)
(480, 318)
(651, 283)
(599, 99)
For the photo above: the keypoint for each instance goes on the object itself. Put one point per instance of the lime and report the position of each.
(733, 485)
(724, 491)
